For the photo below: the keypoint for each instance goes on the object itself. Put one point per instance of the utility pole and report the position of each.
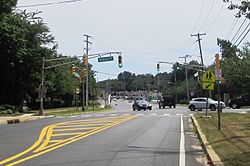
(87, 77)
(42, 89)
(198, 35)
(187, 86)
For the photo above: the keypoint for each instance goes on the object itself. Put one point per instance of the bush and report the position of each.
(57, 103)
(7, 106)
(9, 111)
(3, 113)
(183, 102)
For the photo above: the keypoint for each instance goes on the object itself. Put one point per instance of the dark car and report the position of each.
(141, 104)
(167, 101)
(240, 101)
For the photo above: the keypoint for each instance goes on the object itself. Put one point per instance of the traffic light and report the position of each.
(85, 61)
(177, 66)
(73, 69)
(120, 61)
(217, 62)
(85, 73)
(158, 67)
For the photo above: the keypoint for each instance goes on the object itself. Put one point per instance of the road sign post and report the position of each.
(208, 80)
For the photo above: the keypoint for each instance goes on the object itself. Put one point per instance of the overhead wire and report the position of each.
(198, 18)
(48, 3)
(216, 17)
(231, 28)
(239, 29)
(242, 34)
(243, 37)
(209, 12)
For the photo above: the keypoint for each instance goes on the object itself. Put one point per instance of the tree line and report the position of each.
(24, 41)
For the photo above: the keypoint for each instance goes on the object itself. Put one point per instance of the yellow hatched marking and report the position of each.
(59, 144)
(55, 141)
(70, 129)
(63, 134)
(80, 125)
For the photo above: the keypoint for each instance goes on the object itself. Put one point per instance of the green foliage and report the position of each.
(3, 113)
(243, 8)
(9, 111)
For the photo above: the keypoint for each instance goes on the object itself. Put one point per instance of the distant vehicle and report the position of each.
(141, 104)
(200, 103)
(167, 101)
(240, 101)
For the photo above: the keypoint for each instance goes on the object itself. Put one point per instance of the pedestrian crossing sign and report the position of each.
(208, 77)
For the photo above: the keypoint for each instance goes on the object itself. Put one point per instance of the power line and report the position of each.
(216, 17)
(239, 29)
(241, 34)
(209, 12)
(48, 3)
(243, 37)
(232, 27)
(198, 18)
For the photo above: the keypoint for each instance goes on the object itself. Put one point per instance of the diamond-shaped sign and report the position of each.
(208, 76)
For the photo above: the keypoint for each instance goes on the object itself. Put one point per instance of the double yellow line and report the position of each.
(46, 143)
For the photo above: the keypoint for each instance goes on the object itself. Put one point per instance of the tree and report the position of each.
(23, 37)
(243, 8)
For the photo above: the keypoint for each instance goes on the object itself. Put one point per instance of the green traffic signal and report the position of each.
(120, 61)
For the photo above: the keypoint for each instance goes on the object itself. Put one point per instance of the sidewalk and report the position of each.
(19, 119)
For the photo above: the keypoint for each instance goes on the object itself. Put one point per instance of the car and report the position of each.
(200, 103)
(167, 101)
(141, 104)
(240, 101)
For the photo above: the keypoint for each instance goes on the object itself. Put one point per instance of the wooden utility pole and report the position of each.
(85, 106)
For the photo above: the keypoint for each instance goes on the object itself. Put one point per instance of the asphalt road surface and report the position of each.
(161, 137)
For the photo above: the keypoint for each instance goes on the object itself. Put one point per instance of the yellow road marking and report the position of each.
(48, 130)
(63, 134)
(69, 129)
(53, 141)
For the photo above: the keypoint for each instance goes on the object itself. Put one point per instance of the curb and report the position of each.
(213, 158)
(21, 119)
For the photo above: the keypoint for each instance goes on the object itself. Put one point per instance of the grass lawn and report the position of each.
(232, 142)
(72, 111)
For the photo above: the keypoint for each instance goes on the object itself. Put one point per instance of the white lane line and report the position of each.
(179, 114)
(166, 114)
(113, 115)
(191, 114)
(126, 114)
(153, 114)
(140, 114)
(59, 117)
(84, 116)
(100, 115)
(73, 116)
(182, 145)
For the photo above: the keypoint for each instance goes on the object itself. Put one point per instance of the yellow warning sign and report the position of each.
(208, 86)
(208, 77)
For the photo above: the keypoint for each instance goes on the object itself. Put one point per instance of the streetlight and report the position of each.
(174, 77)
(187, 86)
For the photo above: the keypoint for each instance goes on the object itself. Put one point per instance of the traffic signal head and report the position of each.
(73, 69)
(217, 62)
(158, 67)
(177, 66)
(85, 61)
(119, 61)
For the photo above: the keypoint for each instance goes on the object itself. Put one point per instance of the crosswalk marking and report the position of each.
(114, 115)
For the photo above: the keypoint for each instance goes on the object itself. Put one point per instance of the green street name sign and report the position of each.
(105, 59)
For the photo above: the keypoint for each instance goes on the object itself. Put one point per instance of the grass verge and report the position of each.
(73, 111)
(232, 142)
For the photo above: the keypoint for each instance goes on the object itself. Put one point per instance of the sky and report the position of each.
(145, 31)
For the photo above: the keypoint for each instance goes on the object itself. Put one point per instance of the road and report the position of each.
(119, 138)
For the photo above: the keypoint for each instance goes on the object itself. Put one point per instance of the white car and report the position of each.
(200, 103)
